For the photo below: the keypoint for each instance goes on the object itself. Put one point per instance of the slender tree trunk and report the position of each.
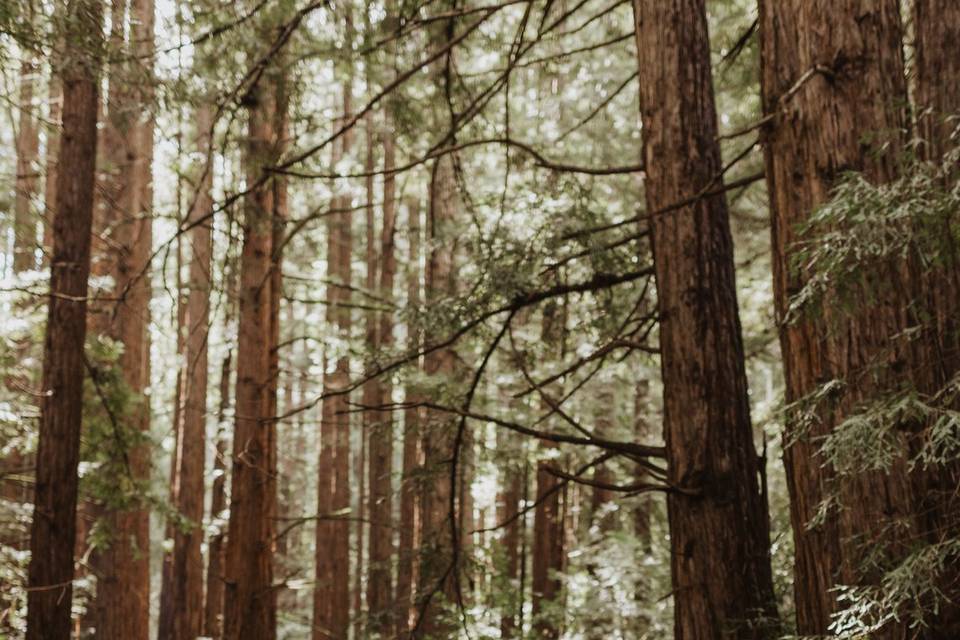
(213, 603)
(53, 531)
(412, 419)
(331, 611)
(548, 524)
(722, 581)
(250, 596)
(186, 563)
(380, 580)
(167, 587)
(507, 509)
(437, 579)
(832, 79)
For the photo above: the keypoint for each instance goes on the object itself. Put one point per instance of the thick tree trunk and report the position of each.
(412, 420)
(832, 78)
(722, 582)
(548, 522)
(186, 563)
(250, 596)
(380, 583)
(53, 531)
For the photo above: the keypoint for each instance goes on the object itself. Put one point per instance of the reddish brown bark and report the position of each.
(53, 530)
(250, 596)
(186, 564)
(719, 540)
(412, 419)
(832, 78)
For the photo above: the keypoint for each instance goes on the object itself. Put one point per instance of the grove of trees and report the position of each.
(530, 319)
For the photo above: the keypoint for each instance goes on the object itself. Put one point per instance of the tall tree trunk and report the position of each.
(412, 419)
(833, 81)
(371, 389)
(123, 564)
(213, 603)
(250, 596)
(380, 582)
(437, 576)
(53, 532)
(508, 508)
(331, 611)
(187, 564)
(167, 587)
(719, 539)
(548, 524)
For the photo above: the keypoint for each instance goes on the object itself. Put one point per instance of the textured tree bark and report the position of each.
(936, 25)
(213, 602)
(380, 581)
(186, 565)
(412, 420)
(719, 539)
(548, 523)
(832, 78)
(123, 564)
(250, 596)
(53, 531)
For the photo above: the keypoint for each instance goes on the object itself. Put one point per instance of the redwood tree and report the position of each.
(834, 86)
(52, 535)
(719, 541)
(250, 595)
(186, 569)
